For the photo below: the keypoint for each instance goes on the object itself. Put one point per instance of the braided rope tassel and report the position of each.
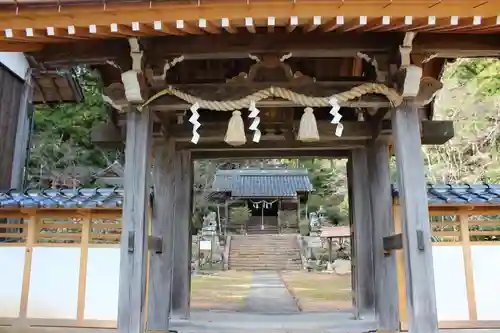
(336, 116)
(196, 124)
(254, 126)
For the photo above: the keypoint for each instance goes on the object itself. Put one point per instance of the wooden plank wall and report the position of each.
(456, 229)
(11, 91)
(72, 228)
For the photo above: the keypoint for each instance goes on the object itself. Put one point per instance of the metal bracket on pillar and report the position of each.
(131, 241)
(391, 243)
(420, 240)
(152, 199)
(155, 243)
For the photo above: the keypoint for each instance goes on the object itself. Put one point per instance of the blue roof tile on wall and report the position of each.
(63, 198)
(261, 185)
(460, 194)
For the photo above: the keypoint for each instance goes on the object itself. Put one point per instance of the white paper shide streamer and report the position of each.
(336, 116)
(196, 124)
(254, 126)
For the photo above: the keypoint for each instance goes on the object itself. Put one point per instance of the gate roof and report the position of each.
(50, 21)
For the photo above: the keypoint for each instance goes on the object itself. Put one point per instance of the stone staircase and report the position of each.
(264, 252)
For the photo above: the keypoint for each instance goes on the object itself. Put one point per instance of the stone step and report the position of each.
(262, 241)
(264, 260)
(265, 244)
(250, 265)
(273, 259)
(266, 250)
(271, 268)
(265, 264)
(287, 236)
(263, 253)
(263, 238)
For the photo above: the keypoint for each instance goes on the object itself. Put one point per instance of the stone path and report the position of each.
(269, 295)
(298, 322)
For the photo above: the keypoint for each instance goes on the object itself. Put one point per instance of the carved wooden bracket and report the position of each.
(427, 89)
(271, 68)
(114, 95)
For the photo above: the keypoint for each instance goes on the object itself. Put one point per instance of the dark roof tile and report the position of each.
(250, 183)
(63, 198)
(455, 194)
(263, 183)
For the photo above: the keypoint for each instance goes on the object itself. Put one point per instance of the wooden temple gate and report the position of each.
(178, 76)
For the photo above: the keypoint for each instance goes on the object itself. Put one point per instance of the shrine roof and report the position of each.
(455, 194)
(262, 183)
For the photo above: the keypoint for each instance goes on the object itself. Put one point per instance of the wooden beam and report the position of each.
(436, 132)
(170, 103)
(20, 46)
(232, 91)
(182, 230)
(133, 254)
(228, 46)
(386, 295)
(355, 134)
(273, 145)
(161, 264)
(211, 132)
(362, 226)
(239, 45)
(268, 153)
(433, 132)
(419, 272)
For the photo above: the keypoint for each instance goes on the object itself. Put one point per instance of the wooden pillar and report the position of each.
(162, 226)
(362, 256)
(133, 254)
(23, 132)
(419, 271)
(182, 231)
(226, 216)
(385, 267)
(11, 91)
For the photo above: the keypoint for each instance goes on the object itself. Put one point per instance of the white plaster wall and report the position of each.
(486, 272)
(451, 290)
(101, 293)
(16, 62)
(53, 292)
(11, 280)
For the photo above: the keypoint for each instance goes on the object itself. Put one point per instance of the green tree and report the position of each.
(61, 148)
